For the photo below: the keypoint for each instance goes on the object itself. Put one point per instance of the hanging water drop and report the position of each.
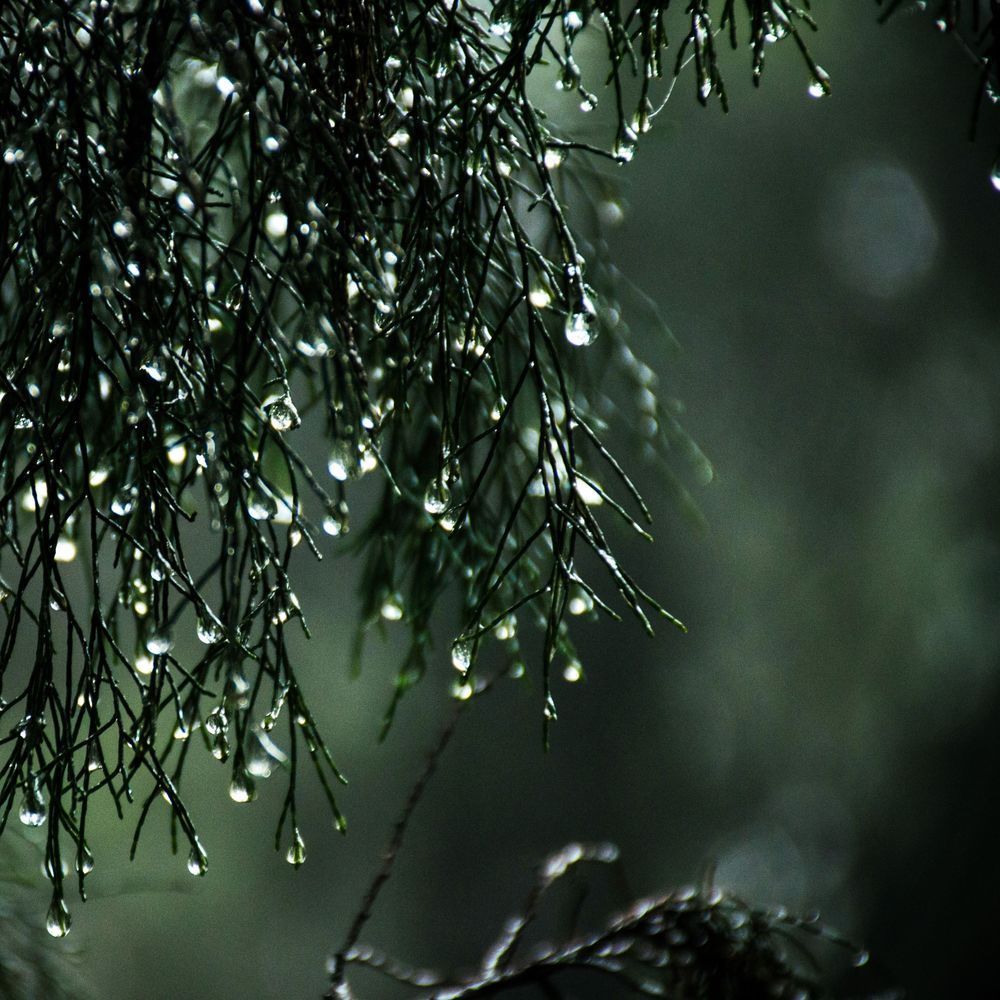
(624, 148)
(154, 370)
(33, 811)
(820, 84)
(343, 463)
(995, 175)
(209, 631)
(84, 861)
(437, 497)
(216, 721)
(241, 788)
(159, 644)
(573, 671)
(197, 863)
(65, 550)
(124, 502)
(220, 747)
(581, 325)
(261, 506)
(506, 628)
(392, 607)
(297, 852)
(58, 920)
(281, 413)
(461, 655)
(237, 690)
(276, 225)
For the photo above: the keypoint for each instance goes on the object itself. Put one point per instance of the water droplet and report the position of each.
(154, 369)
(143, 664)
(241, 788)
(58, 920)
(335, 523)
(572, 672)
(122, 229)
(437, 497)
(276, 225)
(550, 709)
(462, 690)
(554, 157)
(581, 325)
(159, 644)
(84, 861)
(216, 721)
(33, 811)
(65, 550)
(819, 86)
(209, 631)
(124, 502)
(581, 603)
(261, 506)
(297, 852)
(461, 655)
(624, 148)
(343, 463)
(237, 689)
(506, 628)
(220, 747)
(995, 174)
(263, 754)
(392, 607)
(540, 298)
(93, 756)
(860, 958)
(281, 413)
(197, 863)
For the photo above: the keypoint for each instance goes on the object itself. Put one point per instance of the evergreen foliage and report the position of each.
(691, 943)
(223, 221)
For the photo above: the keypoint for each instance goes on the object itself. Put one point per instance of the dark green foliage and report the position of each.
(222, 221)
(692, 944)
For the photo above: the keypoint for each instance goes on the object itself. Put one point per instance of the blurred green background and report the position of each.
(826, 732)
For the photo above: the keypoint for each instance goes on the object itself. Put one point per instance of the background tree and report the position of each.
(553, 474)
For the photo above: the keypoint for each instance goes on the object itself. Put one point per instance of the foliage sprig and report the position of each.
(222, 221)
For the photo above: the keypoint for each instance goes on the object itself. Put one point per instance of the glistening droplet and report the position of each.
(58, 920)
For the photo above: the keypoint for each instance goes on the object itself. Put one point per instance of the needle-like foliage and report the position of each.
(222, 221)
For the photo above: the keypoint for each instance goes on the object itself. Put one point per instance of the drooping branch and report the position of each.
(685, 944)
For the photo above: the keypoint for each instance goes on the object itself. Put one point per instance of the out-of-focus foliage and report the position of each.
(223, 220)
(689, 944)
(32, 965)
